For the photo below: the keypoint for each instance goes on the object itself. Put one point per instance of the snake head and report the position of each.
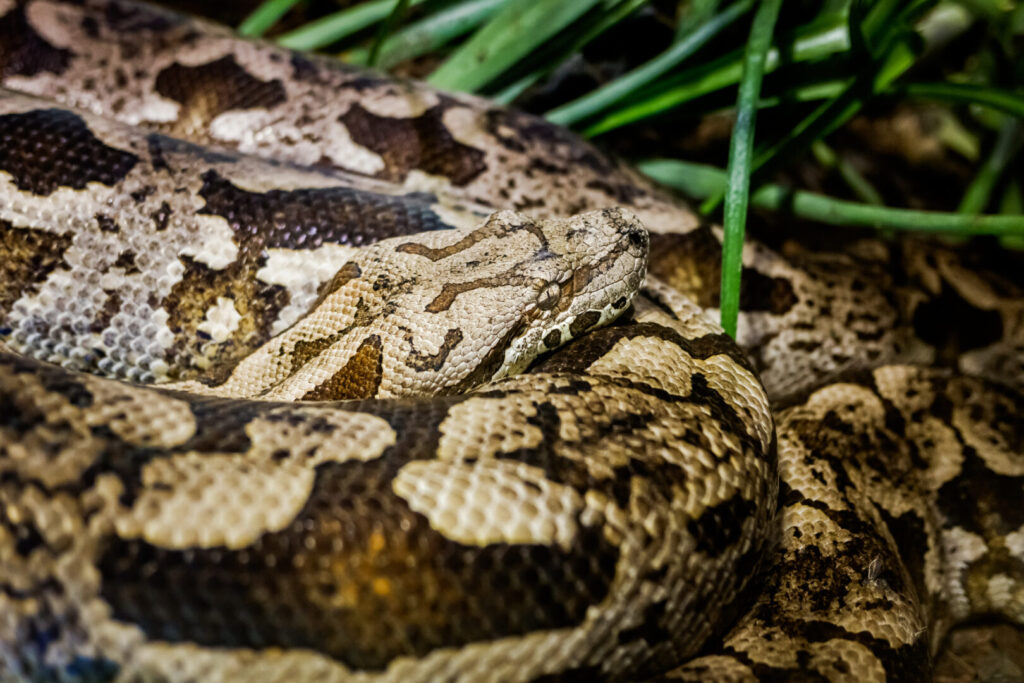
(585, 276)
(515, 287)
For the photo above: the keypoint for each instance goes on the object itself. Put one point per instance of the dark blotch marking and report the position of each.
(305, 350)
(574, 388)
(348, 272)
(583, 322)
(492, 228)
(23, 52)
(423, 143)
(761, 292)
(161, 216)
(982, 501)
(163, 150)
(358, 379)
(109, 309)
(26, 534)
(719, 527)
(106, 223)
(304, 69)
(208, 90)
(46, 149)
(309, 218)
(142, 193)
(27, 257)
(553, 339)
(651, 628)
(975, 327)
(68, 386)
(524, 133)
(422, 361)
(125, 18)
(450, 290)
(197, 291)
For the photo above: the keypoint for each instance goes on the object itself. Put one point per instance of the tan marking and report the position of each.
(961, 549)
(218, 249)
(490, 501)
(240, 497)
(305, 274)
(471, 425)
(1015, 543)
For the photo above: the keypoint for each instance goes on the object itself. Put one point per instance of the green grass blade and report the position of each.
(694, 14)
(334, 27)
(813, 42)
(832, 114)
(1012, 204)
(826, 90)
(858, 184)
(265, 16)
(899, 48)
(699, 180)
(740, 150)
(387, 27)
(515, 31)
(429, 33)
(978, 193)
(614, 91)
(964, 93)
(591, 27)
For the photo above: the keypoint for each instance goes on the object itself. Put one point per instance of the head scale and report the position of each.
(524, 287)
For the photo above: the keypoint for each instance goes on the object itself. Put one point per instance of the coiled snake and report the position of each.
(345, 476)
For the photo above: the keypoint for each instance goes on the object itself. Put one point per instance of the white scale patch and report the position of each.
(1015, 543)
(477, 425)
(302, 273)
(215, 247)
(490, 501)
(342, 150)
(221, 320)
(961, 549)
(1000, 590)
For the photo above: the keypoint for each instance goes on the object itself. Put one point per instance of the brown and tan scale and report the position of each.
(370, 539)
(592, 491)
(898, 520)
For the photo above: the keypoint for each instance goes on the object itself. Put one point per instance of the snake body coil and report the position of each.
(342, 471)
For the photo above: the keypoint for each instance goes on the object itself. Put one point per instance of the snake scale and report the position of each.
(437, 397)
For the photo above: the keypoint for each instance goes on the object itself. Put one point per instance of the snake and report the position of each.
(307, 373)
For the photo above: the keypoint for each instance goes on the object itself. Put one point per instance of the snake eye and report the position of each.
(549, 295)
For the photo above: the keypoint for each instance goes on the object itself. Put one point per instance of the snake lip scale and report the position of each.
(311, 374)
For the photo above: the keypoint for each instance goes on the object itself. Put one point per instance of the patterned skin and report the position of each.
(601, 516)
